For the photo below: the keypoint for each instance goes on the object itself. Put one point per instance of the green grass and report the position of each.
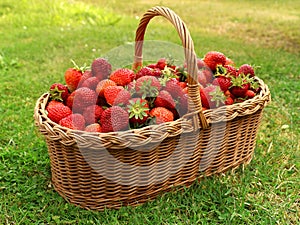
(37, 41)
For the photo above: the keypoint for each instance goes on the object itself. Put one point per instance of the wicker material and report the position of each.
(95, 170)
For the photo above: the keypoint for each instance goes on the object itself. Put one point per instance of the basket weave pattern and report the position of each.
(98, 170)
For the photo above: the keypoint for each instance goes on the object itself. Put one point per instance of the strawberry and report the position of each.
(82, 98)
(73, 121)
(147, 86)
(92, 114)
(111, 93)
(138, 110)
(223, 82)
(90, 83)
(230, 70)
(122, 76)
(164, 99)
(114, 119)
(131, 87)
(122, 98)
(147, 71)
(144, 71)
(249, 94)
(208, 74)
(182, 106)
(102, 85)
(212, 97)
(72, 78)
(246, 70)
(58, 92)
(229, 100)
(173, 87)
(161, 63)
(86, 74)
(202, 78)
(200, 64)
(181, 73)
(57, 110)
(94, 127)
(239, 86)
(101, 68)
(214, 58)
(161, 115)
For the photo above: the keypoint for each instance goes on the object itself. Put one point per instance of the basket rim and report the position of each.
(161, 131)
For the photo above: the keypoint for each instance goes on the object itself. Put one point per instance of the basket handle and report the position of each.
(190, 57)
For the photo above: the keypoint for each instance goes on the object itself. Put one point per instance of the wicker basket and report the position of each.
(110, 170)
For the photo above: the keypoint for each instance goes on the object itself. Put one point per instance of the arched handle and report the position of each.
(190, 57)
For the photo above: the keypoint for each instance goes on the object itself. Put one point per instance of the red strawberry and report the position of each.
(144, 71)
(200, 64)
(182, 106)
(72, 78)
(102, 85)
(82, 98)
(74, 121)
(249, 94)
(57, 110)
(202, 78)
(208, 75)
(114, 119)
(239, 86)
(147, 86)
(111, 92)
(122, 98)
(214, 58)
(86, 74)
(173, 87)
(223, 82)
(94, 127)
(147, 71)
(161, 115)
(92, 114)
(229, 100)
(122, 76)
(59, 92)
(246, 70)
(101, 68)
(230, 70)
(161, 63)
(138, 110)
(90, 83)
(212, 97)
(164, 99)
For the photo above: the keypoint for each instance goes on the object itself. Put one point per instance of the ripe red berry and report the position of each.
(161, 115)
(74, 121)
(214, 58)
(122, 76)
(57, 110)
(114, 119)
(101, 68)
(59, 92)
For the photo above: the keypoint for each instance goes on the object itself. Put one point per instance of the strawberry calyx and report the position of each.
(147, 89)
(138, 109)
(217, 96)
(167, 74)
(56, 93)
(78, 68)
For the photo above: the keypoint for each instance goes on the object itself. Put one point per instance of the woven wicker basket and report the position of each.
(110, 170)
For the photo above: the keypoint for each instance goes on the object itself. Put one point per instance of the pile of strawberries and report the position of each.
(99, 99)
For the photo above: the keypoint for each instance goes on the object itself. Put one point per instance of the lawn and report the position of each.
(39, 38)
